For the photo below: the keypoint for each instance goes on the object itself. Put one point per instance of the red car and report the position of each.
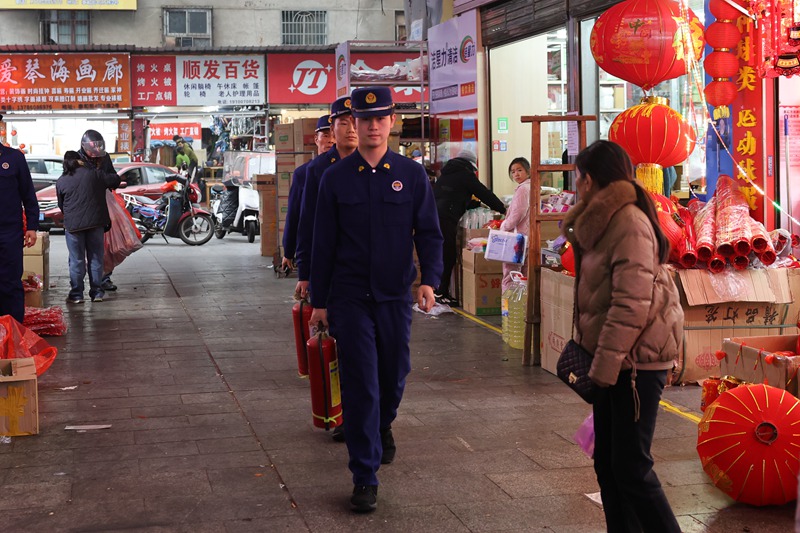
(143, 179)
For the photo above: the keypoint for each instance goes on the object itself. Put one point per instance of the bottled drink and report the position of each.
(517, 309)
(508, 295)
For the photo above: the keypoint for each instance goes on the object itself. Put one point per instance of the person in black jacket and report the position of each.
(81, 193)
(453, 191)
(94, 155)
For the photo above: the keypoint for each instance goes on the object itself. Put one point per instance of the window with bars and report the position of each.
(304, 27)
(64, 27)
(187, 27)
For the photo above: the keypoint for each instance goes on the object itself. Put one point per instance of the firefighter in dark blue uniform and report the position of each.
(346, 140)
(16, 191)
(324, 141)
(373, 208)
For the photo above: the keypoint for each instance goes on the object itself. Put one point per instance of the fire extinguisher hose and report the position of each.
(326, 419)
(302, 332)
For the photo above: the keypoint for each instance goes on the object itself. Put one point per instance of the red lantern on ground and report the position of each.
(641, 41)
(655, 136)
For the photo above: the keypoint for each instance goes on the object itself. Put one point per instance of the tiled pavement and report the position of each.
(192, 363)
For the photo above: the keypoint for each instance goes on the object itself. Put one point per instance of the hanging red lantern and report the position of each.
(641, 41)
(721, 64)
(722, 10)
(720, 93)
(655, 136)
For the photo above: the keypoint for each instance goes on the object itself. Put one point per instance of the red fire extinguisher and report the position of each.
(323, 373)
(301, 314)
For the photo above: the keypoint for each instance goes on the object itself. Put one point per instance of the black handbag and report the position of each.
(573, 369)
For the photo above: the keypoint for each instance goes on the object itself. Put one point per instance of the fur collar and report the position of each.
(586, 223)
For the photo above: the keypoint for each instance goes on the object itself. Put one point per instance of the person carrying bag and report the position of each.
(123, 238)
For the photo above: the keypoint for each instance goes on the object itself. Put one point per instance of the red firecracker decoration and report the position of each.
(722, 64)
(655, 136)
(640, 41)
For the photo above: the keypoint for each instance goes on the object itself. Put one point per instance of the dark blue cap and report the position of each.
(340, 107)
(372, 102)
(323, 123)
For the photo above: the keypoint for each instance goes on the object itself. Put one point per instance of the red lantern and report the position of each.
(722, 10)
(655, 136)
(722, 35)
(641, 42)
(720, 93)
(721, 64)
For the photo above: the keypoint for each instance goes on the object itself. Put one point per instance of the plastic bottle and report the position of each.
(517, 309)
(505, 300)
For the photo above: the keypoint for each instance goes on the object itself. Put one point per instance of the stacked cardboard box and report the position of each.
(36, 259)
(19, 397)
(267, 189)
(481, 280)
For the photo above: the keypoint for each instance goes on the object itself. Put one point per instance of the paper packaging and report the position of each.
(506, 246)
(264, 181)
(476, 263)
(19, 398)
(481, 293)
(40, 265)
(557, 297)
(285, 168)
(302, 159)
(34, 298)
(268, 215)
(304, 132)
(713, 311)
(752, 366)
(42, 245)
(284, 138)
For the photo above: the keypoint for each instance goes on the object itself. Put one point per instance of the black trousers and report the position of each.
(12, 297)
(633, 500)
(449, 229)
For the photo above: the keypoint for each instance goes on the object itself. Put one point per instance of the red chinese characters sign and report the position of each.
(164, 131)
(30, 82)
(199, 80)
(310, 78)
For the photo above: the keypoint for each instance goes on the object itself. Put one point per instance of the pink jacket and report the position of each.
(518, 213)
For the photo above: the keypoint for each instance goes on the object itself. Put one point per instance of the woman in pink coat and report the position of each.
(518, 213)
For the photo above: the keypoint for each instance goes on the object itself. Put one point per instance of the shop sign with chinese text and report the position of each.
(33, 82)
(453, 64)
(95, 5)
(198, 80)
(301, 78)
(165, 131)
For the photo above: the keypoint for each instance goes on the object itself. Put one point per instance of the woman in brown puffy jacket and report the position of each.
(629, 317)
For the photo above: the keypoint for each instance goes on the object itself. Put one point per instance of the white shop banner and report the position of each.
(221, 80)
(453, 64)
(342, 69)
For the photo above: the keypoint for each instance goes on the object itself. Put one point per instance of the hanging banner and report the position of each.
(165, 131)
(301, 78)
(124, 136)
(94, 5)
(199, 80)
(452, 56)
(342, 69)
(43, 82)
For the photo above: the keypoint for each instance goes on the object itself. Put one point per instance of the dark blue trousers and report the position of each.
(12, 297)
(633, 500)
(374, 359)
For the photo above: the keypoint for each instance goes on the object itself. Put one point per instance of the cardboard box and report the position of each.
(481, 293)
(268, 213)
(304, 132)
(557, 296)
(713, 311)
(264, 181)
(284, 138)
(507, 246)
(744, 359)
(476, 263)
(19, 398)
(38, 264)
(34, 298)
(302, 159)
(283, 208)
(285, 170)
(42, 244)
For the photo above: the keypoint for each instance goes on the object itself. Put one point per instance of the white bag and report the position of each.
(506, 246)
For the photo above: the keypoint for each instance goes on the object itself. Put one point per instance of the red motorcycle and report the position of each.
(175, 214)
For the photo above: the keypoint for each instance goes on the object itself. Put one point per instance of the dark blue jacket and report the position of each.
(82, 198)
(368, 222)
(305, 229)
(293, 211)
(16, 190)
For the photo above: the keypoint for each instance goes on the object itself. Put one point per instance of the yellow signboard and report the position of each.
(69, 4)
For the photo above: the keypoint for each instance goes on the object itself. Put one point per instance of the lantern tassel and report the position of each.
(651, 176)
